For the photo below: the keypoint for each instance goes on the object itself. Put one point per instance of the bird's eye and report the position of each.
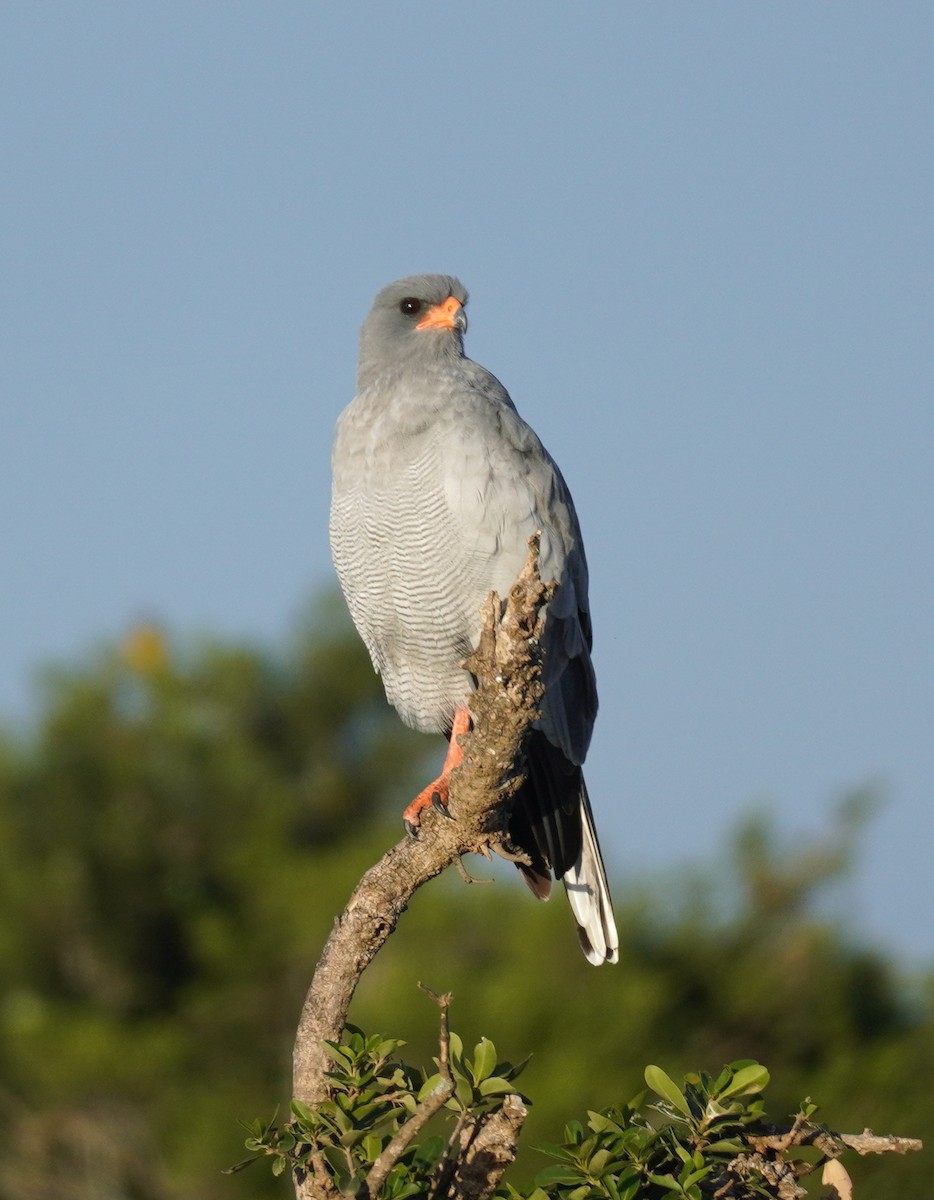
(410, 306)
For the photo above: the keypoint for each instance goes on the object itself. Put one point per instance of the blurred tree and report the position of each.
(181, 829)
(173, 847)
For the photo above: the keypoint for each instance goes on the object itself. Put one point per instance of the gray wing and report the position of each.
(510, 489)
(552, 817)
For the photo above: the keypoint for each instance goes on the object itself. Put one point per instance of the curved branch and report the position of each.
(507, 668)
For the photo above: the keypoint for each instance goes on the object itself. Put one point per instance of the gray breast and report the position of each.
(436, 490)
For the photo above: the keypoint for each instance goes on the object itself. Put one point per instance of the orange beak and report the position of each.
(447, 315)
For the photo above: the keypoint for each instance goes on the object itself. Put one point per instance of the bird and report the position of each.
(437, 485)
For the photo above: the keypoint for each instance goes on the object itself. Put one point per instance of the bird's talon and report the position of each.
(440, 805)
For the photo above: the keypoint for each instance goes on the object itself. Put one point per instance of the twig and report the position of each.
(433, 1102)
(465, 874)
(868, 1142)
(833, 1144)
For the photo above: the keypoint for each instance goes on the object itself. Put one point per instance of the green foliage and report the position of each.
(689, 1136)
(175, 840)
(691, 1140)
(479, 1082)
(372, 1095)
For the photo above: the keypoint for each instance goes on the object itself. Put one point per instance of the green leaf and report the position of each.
(574, 1132)
(514, 1070)
(429, 1086)
(587, 1148)
(730, 1146)
(352, 1137)
(666, 1087)
(372, 1147)
(598, 1161)
(337, 1161)
(495, 1086)
(338, 1054)
(484, 1059)
(552, 1149)
(666, 1182)
(558, 1174)
(244, 1162)
(343, 1121)
(632, 1189)
(463, 1091)
(750, 1079)
(602, 1124)
(302, 1112)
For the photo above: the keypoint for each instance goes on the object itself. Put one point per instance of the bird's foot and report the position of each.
(436, 794)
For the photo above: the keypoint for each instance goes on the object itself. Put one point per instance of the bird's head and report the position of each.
(416, 321)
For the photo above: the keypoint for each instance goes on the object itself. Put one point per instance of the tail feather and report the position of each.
(589, 894)
(553, 823)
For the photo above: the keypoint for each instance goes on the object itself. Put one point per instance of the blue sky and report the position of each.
(698, 239)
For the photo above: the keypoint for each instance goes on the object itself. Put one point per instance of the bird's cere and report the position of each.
(448, 315)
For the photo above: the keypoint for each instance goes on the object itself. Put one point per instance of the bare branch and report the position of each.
(768, 1150)
(833, 1144)
(868, 1142)
(316, 1183)
(488, 1149)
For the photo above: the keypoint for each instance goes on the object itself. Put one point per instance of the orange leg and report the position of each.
(436, 794)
